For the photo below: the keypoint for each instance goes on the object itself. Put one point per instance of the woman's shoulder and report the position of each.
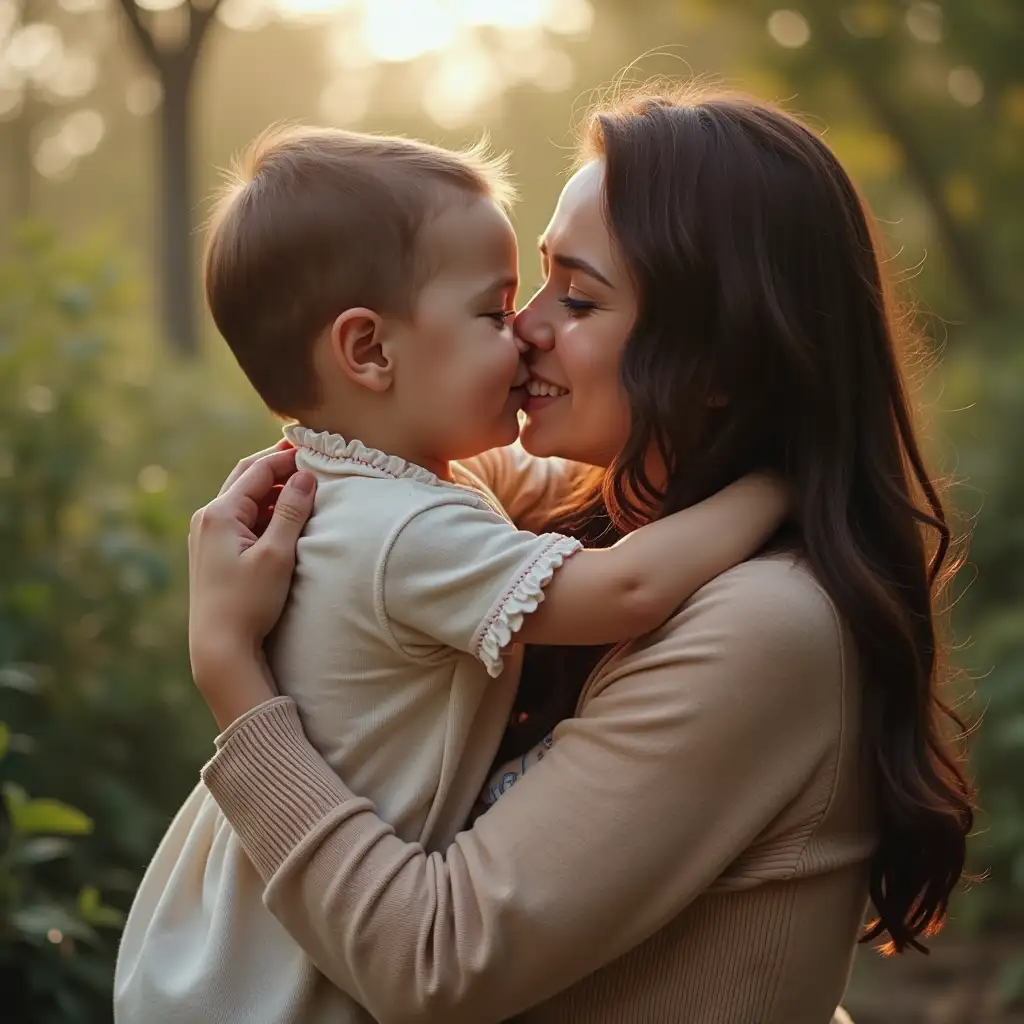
(777, 591)
(765, 623)
(749, 684)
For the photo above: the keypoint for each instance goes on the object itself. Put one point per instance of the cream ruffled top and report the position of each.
(397, 648)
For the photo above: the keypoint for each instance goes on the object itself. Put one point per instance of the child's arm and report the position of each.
(604, 596)
(527, 487)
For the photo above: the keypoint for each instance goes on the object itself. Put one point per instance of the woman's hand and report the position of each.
(241, 550)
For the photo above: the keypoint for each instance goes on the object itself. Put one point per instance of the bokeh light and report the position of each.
(966, 86)
(924, 20)
(142, 96)
(477, 48)
(789, 28)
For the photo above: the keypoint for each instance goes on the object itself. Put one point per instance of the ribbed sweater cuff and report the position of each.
(271, 784)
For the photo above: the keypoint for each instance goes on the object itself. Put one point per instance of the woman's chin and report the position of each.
(539, 441)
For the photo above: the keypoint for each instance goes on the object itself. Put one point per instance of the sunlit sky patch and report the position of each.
(466, 74)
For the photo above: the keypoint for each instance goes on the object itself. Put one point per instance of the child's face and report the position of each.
(460, 373)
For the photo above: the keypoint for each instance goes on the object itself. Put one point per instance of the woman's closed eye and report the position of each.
(578, 307)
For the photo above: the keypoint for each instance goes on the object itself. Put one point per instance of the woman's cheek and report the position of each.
(606, 402)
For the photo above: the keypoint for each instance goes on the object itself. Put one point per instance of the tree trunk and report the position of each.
(22, 169)
(962, 246)
(179, 312)
(175, 67)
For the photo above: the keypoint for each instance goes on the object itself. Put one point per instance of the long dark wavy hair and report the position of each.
(766, 336)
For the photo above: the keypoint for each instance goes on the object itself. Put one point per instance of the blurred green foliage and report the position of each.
(100, 733)
(984, 380)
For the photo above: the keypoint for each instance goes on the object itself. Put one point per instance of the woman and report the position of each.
(697, 840)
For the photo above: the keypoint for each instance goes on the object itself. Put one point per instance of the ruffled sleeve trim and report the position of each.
(524, 597)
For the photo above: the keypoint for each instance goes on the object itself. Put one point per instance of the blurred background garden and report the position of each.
(120, 410)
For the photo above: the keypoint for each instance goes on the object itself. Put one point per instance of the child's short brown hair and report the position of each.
(314, 221)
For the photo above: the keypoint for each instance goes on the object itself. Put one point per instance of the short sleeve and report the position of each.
(459, 575)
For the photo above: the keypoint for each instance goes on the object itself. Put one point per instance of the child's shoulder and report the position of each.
(382, 507)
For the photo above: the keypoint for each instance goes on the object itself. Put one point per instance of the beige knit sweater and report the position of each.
(693, 848)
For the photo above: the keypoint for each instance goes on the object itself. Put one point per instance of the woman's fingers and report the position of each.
(255, 484)
(266, 511)
(293, 507)
(281, 446)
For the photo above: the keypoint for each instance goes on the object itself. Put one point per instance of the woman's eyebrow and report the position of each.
(567, 262)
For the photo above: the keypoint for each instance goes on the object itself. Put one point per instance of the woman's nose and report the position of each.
(532, 329)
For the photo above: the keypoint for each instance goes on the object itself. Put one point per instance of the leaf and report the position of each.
(95, 912)
(5, 739)
(13, 677)
(37, 921)
(49, 817)
(15, 799)
(39, 851)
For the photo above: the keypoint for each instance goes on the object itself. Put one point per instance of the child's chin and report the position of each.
(507, 435)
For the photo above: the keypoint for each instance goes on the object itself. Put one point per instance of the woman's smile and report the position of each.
(541, 393)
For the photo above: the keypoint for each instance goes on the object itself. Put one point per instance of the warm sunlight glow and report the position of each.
(470, 51)
(34, 49)
(346, 101)
(310, 10)
(244, 15)
(74, 77)
(159, 5)
(466, 81)
(401, 30)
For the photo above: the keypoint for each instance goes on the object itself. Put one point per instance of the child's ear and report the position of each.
(357, 343)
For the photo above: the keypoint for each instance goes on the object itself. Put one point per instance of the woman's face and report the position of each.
(574, 330)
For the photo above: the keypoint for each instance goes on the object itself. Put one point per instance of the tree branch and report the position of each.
(964, 251)
(965, 254)
(142, 34)
(198, 24)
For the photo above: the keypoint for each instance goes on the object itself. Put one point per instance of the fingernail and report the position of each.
(304, 482)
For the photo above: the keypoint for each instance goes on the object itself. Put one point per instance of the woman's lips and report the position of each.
(534, 403)
(541, 393)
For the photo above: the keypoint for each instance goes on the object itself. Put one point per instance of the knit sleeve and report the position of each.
(458, 575)
(688, 747)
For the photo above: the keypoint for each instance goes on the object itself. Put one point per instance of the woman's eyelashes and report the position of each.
(577, 307)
